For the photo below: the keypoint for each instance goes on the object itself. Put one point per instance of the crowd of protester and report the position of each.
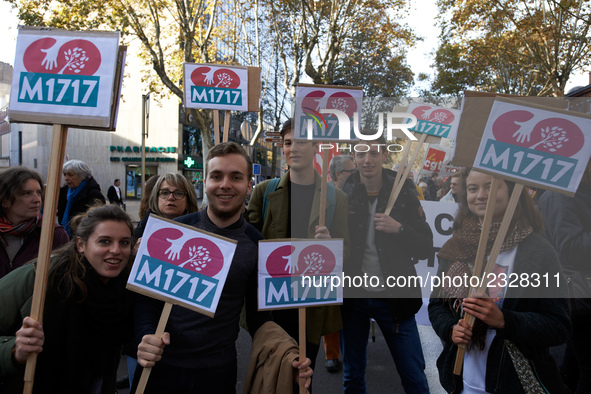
(90, 316)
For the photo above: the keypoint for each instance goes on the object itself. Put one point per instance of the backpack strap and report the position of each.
(271, 187)
(330, 195)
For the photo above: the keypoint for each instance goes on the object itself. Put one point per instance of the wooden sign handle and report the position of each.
(302, 341)
(397, 188)
(479, 262)
(216, 127)
(402, 162)
(323, 186)
(503, 229)
(58, 147)
(226, 125)
(159, 332)
(496, 248)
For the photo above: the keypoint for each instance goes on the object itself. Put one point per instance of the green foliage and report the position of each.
(324, 40)
(511, 46)
(374, 57)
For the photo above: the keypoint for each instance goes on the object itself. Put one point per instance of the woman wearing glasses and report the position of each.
(171, 197)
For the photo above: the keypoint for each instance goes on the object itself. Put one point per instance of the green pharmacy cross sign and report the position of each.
(189, 162)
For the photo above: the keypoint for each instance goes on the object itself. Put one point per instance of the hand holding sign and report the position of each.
(180, 265)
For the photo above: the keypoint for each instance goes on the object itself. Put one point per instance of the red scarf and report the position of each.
(18, 230)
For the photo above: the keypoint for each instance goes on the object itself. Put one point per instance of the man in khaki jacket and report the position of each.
(293, 211)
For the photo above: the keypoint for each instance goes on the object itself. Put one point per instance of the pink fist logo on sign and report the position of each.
(196, 254)
(217, 78)
(315, 260)
(279, 261)
(75, 57)
(433, 114)
(552, 135)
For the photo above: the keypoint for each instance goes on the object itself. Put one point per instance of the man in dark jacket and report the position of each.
(114, 194)
(383, 247)
(568, 228)
(200, 354)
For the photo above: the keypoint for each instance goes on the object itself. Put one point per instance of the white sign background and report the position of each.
(563, 143)
(210, 79)
(167, 243)
(50, 57)
(299, 249)
(435, 116)
(440, 216)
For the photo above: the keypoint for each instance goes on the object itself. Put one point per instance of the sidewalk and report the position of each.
(132, 207)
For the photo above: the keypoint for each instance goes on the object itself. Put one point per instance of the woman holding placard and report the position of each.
(88, 311)
(525, 311)
(21, 197)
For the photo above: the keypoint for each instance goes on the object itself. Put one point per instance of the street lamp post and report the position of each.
(145, 127)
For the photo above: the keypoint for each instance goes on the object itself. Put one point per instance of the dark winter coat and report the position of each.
(532, 323)
(87, 197)
(397, 253)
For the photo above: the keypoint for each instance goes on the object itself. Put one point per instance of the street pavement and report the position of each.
(381, 375)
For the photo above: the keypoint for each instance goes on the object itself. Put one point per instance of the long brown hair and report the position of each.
(525, 214)
(67, 274)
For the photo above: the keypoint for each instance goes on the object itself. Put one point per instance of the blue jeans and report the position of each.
(403, 341)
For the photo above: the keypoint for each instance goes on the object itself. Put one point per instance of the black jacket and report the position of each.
(398, 253)
(532, 323)
(87, 197)
(113, 197)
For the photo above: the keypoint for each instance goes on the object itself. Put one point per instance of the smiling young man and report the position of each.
(383, 246)
(197, 354)
(292, 211)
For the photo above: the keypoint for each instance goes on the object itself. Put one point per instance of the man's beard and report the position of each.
(224, 214)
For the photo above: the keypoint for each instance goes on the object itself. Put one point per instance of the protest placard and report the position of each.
(475, 109)
(296, 273)
(433, 160)
(534, 145)
(433, 120)
(319, 111)
(221, 87)
(432, 123)
(181, 265)
(65, 77)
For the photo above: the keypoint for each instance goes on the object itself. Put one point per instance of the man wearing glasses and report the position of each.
(340, 168)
